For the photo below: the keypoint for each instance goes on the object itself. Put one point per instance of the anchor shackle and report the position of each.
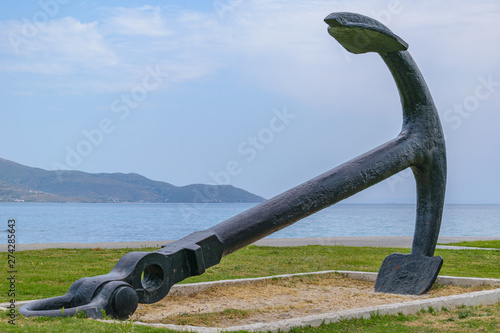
(138, 277)
(116, 298)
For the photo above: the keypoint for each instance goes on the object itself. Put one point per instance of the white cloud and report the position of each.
(58, 47)
(77, 42)
(35, 68)
(462, 33)
(145, 21)
(93, 59)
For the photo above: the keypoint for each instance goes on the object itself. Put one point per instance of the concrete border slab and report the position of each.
(470, 299)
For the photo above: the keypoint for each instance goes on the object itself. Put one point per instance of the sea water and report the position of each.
(120, 222)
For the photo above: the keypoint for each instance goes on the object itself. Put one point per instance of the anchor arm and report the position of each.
(421, 119)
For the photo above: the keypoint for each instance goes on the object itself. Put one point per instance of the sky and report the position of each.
(251, 93)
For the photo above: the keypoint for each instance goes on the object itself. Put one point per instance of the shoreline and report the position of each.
(377, 241)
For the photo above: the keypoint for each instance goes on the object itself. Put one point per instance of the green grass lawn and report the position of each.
(47, 273)
(461, 320)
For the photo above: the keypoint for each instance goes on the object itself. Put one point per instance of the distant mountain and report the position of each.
(22, 183)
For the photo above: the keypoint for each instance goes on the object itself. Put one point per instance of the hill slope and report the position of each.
(22, 183)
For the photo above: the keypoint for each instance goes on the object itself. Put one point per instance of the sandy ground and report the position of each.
(272, 300)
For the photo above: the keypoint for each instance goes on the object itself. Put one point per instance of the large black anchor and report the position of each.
(146, 277)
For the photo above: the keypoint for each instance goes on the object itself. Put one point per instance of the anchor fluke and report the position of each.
(361, 34)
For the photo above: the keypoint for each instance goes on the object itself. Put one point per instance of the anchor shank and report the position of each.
(314, 195)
